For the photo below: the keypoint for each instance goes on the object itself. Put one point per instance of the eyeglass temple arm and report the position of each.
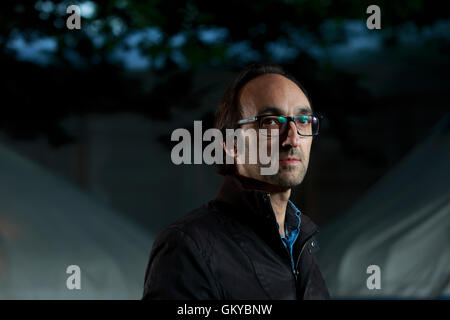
(247, 120)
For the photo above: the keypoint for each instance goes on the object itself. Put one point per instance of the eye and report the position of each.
(303, 119)
(271, 121)
(281, 120)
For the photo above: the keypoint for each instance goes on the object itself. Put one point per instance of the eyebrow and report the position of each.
(304, 110)
(269, 110)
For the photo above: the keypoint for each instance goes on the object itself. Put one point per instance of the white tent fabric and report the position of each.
(46, 225)
(402, 225)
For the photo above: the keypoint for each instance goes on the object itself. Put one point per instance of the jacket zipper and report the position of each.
(290, 260)
(293, 270)
(301, 251)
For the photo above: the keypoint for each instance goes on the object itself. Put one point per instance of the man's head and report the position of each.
(266, 89)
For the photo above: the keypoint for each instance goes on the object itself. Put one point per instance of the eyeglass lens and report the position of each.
(306, 124)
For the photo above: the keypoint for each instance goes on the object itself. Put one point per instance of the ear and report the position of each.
(230, 151)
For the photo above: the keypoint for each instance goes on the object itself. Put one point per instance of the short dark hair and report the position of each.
(229, 110)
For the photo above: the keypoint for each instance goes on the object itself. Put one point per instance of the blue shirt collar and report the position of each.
(292, 219)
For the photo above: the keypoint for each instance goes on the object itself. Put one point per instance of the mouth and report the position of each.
(290, 160)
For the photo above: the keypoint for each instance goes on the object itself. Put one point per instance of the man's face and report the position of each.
(273, 94)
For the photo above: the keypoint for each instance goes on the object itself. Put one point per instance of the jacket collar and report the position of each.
(247, 200)
(245, 195)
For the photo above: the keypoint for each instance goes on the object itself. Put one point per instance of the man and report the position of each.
(250, 242)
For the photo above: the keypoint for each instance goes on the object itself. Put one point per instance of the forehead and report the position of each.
(272, 90)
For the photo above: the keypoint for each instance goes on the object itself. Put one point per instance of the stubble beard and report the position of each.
(288, 176)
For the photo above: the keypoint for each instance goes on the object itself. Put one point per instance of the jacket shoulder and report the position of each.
(182, 245)
(200, 225)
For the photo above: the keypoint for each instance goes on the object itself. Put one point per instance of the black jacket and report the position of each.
(231, 249)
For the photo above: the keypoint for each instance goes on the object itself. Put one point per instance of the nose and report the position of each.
(292, 137)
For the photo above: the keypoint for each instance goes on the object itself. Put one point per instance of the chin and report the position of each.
(286, 179)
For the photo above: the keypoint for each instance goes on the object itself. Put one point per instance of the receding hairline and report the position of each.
(275, 75)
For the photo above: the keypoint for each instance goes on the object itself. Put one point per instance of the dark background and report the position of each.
(96, 106)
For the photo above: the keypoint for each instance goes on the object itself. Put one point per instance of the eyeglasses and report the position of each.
(307, 125)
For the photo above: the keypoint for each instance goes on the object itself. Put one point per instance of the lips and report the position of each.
(290, 161)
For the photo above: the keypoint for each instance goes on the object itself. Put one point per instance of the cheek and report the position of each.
(306, 148)
(267, 142)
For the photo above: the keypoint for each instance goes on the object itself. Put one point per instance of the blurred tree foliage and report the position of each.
(82, 77)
